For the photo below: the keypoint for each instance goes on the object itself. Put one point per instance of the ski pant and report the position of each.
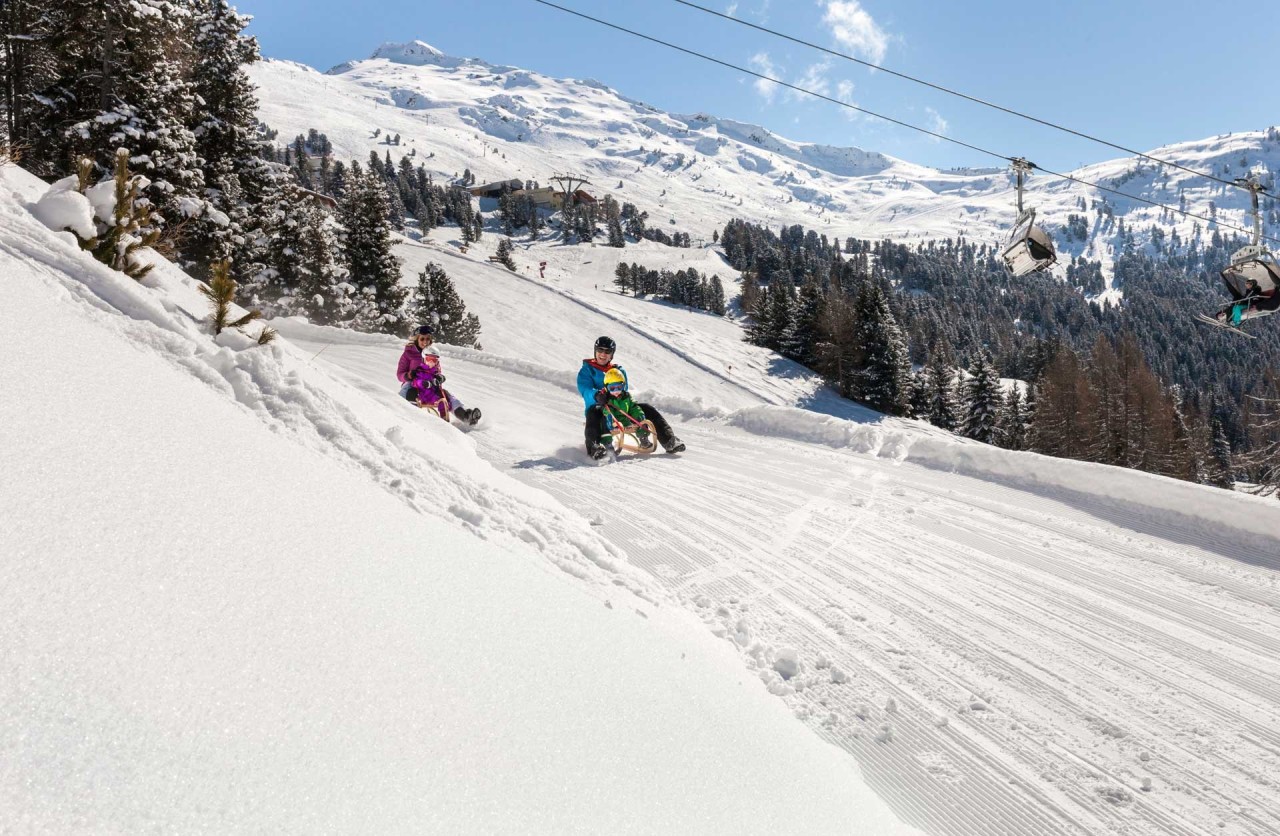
(595, 427)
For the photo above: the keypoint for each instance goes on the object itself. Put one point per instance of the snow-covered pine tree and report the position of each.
(437, 302)
(1220, 467)
(983, 402)
(616, 238)
(883, 376)
(504, 254)
(27, 65)
(225, 125)
(835, 350)
(622, 278)
(131, 223)
(323, 295)
(1013, 427)
(371, 266)
(121, 80)
(801, 334)
(944, 412)
(715, 297)
(921, 393)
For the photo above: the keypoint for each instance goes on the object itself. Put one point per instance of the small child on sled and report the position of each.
(425, 385)
(620, 403)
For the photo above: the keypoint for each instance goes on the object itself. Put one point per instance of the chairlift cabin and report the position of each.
(1253, 263)
(1029, 248)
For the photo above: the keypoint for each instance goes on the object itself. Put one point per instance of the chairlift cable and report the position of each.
(926, 131)
(965, 96)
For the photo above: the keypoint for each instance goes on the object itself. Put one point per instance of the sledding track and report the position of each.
(1032, 661)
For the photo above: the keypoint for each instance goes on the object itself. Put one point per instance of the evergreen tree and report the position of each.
(120, 80)
(436, 301)
(226, 135)
(921, 394)
(27, 65)
(1013, 429)
(1066, 407)
(616, 238)
(371, 266)
(504, 254)
(715, 297)
(801, 335)
(984, 402)
(622, 278)
(1220, 465)
(836, 349)
(323, 295)
(883, 377)
(943, 409)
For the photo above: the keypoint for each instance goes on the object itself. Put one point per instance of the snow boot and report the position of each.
(468, 416)
(596, 450)
(673, 445)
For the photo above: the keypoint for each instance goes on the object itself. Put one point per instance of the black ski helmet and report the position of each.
(606, 344)
(425, 331)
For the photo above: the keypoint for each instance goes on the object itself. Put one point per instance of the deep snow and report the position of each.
(237, 594)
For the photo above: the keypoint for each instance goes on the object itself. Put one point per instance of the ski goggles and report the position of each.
(616, 388)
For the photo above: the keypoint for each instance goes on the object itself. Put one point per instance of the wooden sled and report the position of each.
(440, 407)
(624, 433)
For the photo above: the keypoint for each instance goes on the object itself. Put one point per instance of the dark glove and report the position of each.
(439, 378)
(602, 396)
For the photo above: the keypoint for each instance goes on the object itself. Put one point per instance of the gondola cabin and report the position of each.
(1030, 249)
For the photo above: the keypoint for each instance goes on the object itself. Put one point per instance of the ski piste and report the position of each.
(1208, 320)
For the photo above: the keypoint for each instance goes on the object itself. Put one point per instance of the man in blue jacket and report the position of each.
(594, 395)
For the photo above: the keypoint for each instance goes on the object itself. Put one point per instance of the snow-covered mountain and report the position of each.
(694, 172)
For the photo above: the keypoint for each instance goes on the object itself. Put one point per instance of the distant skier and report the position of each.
(421, 379)
(594, 394)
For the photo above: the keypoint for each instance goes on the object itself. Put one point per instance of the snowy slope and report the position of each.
(239, 594)
(1008, 643)
(695, 172)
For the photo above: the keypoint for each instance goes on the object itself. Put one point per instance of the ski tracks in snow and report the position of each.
(997, 662)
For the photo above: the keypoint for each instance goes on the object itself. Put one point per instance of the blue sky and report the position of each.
(1135, 72)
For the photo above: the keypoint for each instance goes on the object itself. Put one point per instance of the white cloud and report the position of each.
(814, 79)
(853, 28)
(732, 10)
(761, 63)
(844, 92)
(936, 123)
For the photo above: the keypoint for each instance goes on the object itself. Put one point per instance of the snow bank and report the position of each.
(1130, 497)
(230, 603)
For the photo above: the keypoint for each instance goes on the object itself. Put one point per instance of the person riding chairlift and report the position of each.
(1253, 298)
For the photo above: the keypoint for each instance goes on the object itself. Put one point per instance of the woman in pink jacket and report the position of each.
(412, 368)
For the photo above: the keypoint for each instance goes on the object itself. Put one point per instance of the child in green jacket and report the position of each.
(615, 383)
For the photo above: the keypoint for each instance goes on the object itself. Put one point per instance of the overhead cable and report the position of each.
(926, 131)
(966, 96)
